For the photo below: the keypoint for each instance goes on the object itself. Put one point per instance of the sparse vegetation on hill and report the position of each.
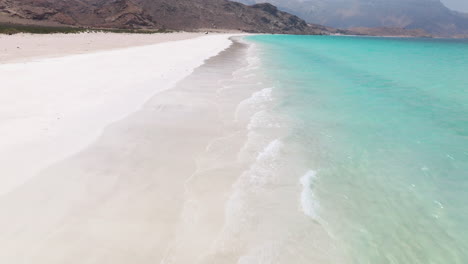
(188, 15)
(11, 29)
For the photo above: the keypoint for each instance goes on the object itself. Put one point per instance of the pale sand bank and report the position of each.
(52, 108)
(25, 47)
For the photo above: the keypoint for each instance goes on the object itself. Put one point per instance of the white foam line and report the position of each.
(308, 202)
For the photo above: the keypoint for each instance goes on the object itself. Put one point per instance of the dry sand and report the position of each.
(51, 108)
(25, 47)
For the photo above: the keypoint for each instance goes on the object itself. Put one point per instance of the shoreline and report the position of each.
(201, 172)
(43, 126)
(186, 176)
(135, 185)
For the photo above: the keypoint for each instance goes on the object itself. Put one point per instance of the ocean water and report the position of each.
(360, 152)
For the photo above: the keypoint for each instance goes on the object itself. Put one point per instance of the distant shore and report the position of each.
(26, 47)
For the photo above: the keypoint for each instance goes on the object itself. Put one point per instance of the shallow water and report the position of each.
(375, 135)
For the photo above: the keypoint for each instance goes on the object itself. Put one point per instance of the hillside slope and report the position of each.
(156, 14)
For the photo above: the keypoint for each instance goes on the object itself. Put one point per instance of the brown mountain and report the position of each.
(429, 15)
(157, 14)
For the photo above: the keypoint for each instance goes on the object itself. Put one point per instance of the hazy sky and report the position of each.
(459, 5)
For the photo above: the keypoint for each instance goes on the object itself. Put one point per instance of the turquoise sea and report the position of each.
(379, 126)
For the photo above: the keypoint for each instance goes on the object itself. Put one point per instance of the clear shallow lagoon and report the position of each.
(381, 126)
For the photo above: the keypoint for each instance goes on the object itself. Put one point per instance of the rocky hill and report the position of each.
(391, 32)
(156, 14)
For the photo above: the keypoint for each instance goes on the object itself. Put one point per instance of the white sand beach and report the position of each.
(76, 189)
(52, 108)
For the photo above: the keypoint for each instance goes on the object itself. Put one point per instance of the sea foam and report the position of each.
(266, 164)
(309, 204)
(254, 103)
